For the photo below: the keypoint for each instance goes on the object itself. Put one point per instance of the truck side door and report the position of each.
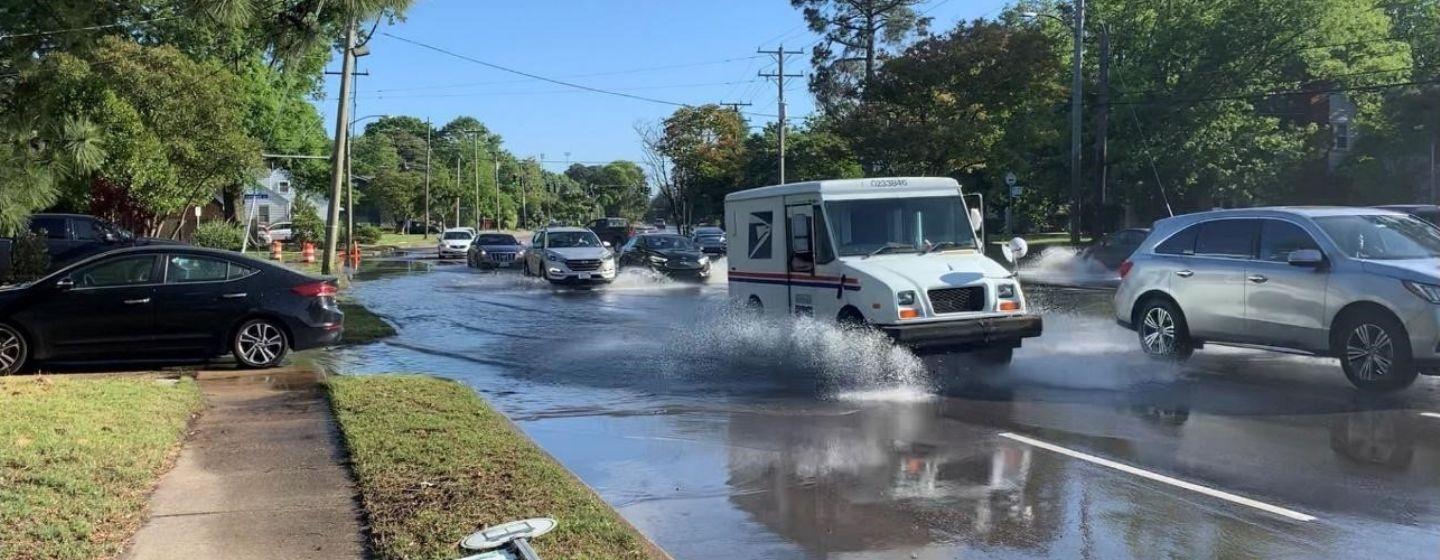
(800, 259)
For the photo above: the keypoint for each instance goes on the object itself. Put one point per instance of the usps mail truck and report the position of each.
(903, 255)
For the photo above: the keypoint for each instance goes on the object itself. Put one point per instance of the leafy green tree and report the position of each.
(811, 153)
(706, 146)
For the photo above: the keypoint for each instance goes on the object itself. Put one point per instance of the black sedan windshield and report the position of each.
(668, 242)
(496, 239)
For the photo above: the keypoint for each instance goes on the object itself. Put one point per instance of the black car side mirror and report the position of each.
(110, 237)
(65, 284)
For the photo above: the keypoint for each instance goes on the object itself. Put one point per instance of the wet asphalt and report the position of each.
(721, 436)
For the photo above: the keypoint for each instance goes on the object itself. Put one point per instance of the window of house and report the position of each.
(263, 213)
(283, 187)
(1342, 136)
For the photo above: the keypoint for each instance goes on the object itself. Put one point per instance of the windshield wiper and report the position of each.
(936, 246)
(887, 248)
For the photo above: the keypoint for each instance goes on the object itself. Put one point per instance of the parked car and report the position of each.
(416, 227)
(280, 231)
(71, 237)
(454, 242)
(495, 250)
(165, 302)
(1427, 212)
(666, 253)
(1358, 284)
(710, 240)
(1113, 249)
(615, 231)
(660, 223)
(570, 255)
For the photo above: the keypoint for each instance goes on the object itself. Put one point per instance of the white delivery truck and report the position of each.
(899, 254)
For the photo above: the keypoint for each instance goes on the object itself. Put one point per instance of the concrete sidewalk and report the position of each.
(261, 476)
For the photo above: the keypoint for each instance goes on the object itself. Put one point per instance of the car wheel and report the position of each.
(14, 350)
(259, 343)
(996, 356)
(753, 305)
(1163, 332)
(1375, 352)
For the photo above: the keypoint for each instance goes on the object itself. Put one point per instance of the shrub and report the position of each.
(368, 234)
(305, 223)
(29, 257)
(220, 235)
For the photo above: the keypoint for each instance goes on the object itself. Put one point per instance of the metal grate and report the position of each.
(958, 300)
(585, 265)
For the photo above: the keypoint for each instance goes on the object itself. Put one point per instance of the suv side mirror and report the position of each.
(607, 244)
(1310, 258)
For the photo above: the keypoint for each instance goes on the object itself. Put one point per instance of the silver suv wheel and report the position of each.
(1157, 332)
(1369, 352)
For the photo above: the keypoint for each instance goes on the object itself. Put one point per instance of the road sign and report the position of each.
(1016, 191)
(1010, 178)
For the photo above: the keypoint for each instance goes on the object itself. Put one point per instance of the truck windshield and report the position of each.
(906, 225)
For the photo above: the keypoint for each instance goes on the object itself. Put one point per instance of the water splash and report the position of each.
(1063, 266)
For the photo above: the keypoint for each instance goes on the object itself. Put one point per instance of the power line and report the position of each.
(550, 91)
(87, 28)
(544, 78)
(587, 75)
(1197, 100)
(1300, 81)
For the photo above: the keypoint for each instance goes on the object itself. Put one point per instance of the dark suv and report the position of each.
(616, 231)
(71, 237)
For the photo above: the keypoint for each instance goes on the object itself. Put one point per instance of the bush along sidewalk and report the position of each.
(79, 457)
(435, 463)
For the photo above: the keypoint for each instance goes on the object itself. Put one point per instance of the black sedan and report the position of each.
(1113, 249)
(166, 302)
(670, 254)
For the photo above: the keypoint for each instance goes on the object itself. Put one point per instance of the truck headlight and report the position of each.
(1005, 291)
(1427, 292)
(906, 297)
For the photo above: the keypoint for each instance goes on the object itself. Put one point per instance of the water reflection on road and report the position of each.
(722, 437)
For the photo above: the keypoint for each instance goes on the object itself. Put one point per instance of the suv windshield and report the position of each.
(1382, 237)
(496, 239)
(455, 235)
(668, 242)
(564, 239)
(861, 227)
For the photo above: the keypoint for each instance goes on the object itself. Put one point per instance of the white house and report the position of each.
(271, 199)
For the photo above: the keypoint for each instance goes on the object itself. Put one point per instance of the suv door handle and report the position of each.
(137, 301)
(236, 295)
(1184, 273)
(1256, 278)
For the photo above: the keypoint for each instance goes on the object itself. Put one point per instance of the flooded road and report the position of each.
(723, 437)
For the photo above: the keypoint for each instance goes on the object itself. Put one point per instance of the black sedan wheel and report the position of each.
(14, 351)
(259, 343)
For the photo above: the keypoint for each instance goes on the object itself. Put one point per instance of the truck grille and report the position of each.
(585, 265)
(958, 300)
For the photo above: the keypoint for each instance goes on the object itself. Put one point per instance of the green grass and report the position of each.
(361, 325)
(434, 463)
(404, 240)
(79, 457)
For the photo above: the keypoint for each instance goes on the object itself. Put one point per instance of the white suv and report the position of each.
(1358, 284)
(570, 255)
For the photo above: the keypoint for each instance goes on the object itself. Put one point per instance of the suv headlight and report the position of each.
(553, 256)
(1427, 292)
(906, 297)
(607, 255)
(703, 260)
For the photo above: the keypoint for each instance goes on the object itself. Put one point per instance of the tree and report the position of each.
(617, 187)
(706, 146)
(812, 153)
(854, 33)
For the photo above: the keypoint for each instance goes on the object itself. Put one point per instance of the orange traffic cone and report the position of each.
(275, 250)
(308, 252)
(354, 255)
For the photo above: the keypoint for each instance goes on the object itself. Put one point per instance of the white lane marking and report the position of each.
(1430, 414)
(1277, 510)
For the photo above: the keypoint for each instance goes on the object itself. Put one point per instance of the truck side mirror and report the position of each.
(977, 220)
(1015, 250)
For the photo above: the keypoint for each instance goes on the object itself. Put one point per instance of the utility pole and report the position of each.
(342, 145)
(349, 175)
(734, 106)
(1102, 129)
(497, 190)
(780, 75)
(1076, 108)
(425, 229)
(458, 176)
(476, 138)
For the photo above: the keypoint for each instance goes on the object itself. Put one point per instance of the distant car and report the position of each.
(280, 231)
(570, 255)
(454, 242)
(1358, 284)
(660, 223)
(1427, 212)
(1113, 249)
(415, 227)
(71, 237)
(495, 250)
(165, 302)
(615, 231)
(670, 254)
(710, 240)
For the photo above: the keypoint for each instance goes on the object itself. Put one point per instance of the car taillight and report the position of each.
(1125, 267)
(315, 289)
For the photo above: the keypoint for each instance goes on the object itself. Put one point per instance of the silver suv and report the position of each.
(1358, 284)
(570, 255)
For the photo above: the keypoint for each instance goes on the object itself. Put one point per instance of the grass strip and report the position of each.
(434, 463)
(79, 457)
(361, 325)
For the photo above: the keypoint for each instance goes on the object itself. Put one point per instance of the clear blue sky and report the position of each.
(686, 51)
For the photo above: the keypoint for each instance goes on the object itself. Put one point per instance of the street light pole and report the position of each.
(1076, 107)
(425, 229)
(342, 144)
